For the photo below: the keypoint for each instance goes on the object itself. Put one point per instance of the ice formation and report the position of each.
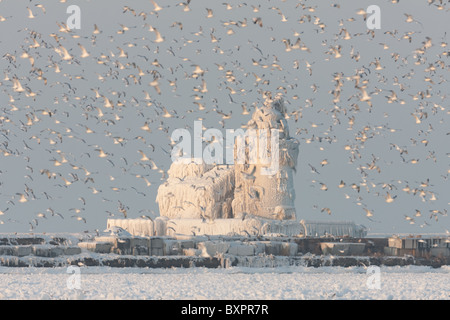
(197, 190)
(270, 196)
(248, 226)
(246, 197)
(313, 228)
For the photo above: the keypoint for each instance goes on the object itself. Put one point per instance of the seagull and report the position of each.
(84, 53)
(409, 19)
(389, 198)
(156, 6)
(96, 30)
(158, 36)
(30, 14)
(323, 186)
(249, 176)
(144, 156)
(102, 154)
(22, 198)
(79, 218)
(369, 213)
(313, 169)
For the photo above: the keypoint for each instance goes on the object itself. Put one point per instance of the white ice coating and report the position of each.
(197, 190)
(140, 227)
(193, 191)
(248, 226)
(259, 194)
(332, 228)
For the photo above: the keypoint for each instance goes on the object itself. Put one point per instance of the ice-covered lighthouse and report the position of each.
(254, 195)
(266, 188)
(257, 188)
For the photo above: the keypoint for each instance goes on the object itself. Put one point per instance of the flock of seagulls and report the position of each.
(87, 115)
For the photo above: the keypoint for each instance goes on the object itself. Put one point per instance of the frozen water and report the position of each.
(234, 283)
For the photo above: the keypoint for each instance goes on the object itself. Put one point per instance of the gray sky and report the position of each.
(62, 118)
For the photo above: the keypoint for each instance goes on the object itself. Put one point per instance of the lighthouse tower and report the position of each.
(266, 188)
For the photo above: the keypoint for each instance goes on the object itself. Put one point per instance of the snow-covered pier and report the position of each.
(118, 248)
